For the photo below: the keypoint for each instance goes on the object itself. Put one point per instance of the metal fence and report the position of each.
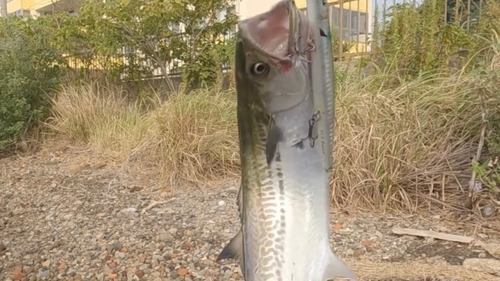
(356, 23)
(128, 59)
(355, 26)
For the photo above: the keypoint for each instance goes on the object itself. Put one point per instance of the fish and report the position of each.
(283, 200)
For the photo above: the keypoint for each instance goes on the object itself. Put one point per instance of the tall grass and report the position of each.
(411, 39)
(188, 138)
(394, 145)
(194, 137)
(100, 116)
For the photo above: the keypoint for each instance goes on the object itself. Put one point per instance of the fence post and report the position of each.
(341, 29)
(3, 7)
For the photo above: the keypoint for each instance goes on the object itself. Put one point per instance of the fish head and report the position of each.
(272, 58)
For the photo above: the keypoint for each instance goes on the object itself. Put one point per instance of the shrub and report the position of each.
(414, 39)
(195, 138)
(28, 76)
(188, 138)
(396, 145)
(393, 146)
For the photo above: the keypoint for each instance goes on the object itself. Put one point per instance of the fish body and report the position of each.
(284, 195)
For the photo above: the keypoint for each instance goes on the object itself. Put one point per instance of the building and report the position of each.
(45, 7)
(249, 8)
(19, 7)
(41, 7)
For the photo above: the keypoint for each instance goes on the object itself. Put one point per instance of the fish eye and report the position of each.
(259, 68)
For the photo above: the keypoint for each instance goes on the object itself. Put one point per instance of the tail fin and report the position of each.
(233, 250)
(337, 268)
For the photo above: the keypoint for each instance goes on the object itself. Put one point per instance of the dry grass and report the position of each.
(414, 270)
(393, 143)
(194, 137)
(189, 138)
(396, 146)
(99, 116)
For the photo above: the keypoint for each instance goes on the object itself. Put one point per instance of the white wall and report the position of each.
(250, 8)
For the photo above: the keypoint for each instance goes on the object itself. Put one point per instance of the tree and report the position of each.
(153, 34)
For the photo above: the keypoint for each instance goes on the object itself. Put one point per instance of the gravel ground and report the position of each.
(65, 214)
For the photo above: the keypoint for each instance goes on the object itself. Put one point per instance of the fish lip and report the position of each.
(293, 32)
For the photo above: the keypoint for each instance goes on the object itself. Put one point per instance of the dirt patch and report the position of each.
(452, 253)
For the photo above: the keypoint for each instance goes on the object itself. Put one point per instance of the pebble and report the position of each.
(490, 266)
(120, 255)
(117, 246)
(488, 210)
(43, 273)
(349, 252)
(130, 212)
(165, 236)
(139, 273)
(94, 227)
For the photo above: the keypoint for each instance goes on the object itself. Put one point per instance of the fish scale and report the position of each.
(284, 194)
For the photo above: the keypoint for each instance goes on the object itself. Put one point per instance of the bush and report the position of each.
(417, 39)
(195, 137)
(420, 41)
(395, 146)
(28, 76)
(414, 39)
(100, 116)
(188, 138)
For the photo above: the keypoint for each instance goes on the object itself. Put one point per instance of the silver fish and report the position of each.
(284, 195)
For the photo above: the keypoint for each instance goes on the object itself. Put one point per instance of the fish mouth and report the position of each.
(275, 32)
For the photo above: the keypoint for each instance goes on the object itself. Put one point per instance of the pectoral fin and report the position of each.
(274, 136)
(336, 268)
(322, 33)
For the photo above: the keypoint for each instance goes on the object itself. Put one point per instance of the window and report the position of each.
(358, 24)
(229, 10)
(353, 23)
(20, 13)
